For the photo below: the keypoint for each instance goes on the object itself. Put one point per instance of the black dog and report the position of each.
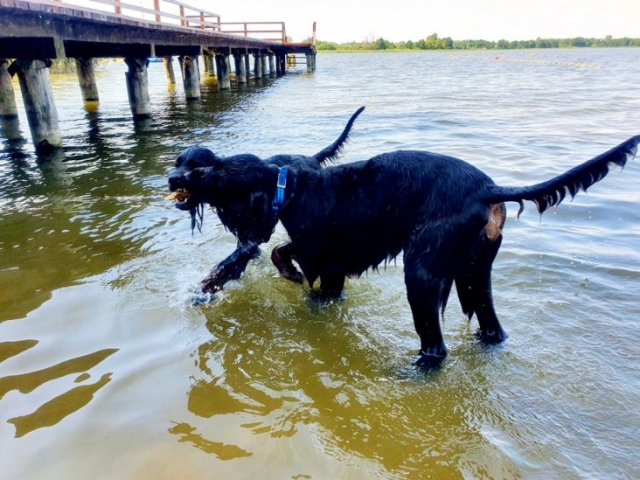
(249, 230)
(443, 213)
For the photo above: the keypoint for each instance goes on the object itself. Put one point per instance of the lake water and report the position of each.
(108, 370)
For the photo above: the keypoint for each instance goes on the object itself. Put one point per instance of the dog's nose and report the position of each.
(174, 182)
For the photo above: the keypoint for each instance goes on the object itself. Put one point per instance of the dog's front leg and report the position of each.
(231, 268)
(282, 258)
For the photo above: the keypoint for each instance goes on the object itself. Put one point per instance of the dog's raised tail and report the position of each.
(552, 192)
(332, 151)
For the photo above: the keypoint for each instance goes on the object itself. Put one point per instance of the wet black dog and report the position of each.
(444, 214)
(248, 229)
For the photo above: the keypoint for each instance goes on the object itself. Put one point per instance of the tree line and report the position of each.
(433, 42)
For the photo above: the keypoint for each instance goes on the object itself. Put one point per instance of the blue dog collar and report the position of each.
(282, 184)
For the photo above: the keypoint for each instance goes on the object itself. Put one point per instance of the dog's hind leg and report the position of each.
(282, 256)
(427, 293)
(473, 282)
(332, 278)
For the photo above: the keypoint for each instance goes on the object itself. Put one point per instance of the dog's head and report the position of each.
(241, 189)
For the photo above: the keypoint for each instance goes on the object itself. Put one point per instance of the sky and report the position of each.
(396, 20)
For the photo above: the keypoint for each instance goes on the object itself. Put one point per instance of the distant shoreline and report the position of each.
(433, 42)
(460, 50)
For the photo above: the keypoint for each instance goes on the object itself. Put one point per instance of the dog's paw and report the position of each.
(491, 337)
(202, 298)
(430, 361)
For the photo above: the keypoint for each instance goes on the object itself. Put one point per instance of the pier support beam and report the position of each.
(247, 64)
(138, 87)
(263, 58)
(281, 64)
(272, 67)
(190, 77)
(8, 108)
(38, 103)
(87, 78)
(168, 70)
(208, 65)
(241, 71)
(222, 65)
(311, 62)
(257, 65)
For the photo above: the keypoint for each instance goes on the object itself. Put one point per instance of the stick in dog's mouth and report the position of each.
(178, 196)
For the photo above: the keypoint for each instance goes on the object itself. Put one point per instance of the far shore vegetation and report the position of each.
(433, 42)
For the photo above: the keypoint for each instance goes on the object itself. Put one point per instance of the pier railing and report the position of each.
(174, 12)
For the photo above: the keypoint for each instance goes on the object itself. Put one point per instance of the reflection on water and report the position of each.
(103, 356)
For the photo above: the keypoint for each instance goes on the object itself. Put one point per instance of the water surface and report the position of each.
(107, 370)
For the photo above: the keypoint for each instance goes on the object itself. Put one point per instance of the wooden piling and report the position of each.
(138, 87)
(311, 62)
(38, 102)
(241, 71)
(222, 65)
(190, 77)
(210, 70)
(272, 68)
(87, 79)
(247, 65)
(168, 70)
(8, 108)
(281, 64)
(263, 59)
(257, 65)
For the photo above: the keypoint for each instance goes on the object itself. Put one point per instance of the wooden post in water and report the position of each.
(310, 62)
(257, 64)
(281, 65)
(247, 64)
(38, 103)
(168, 70)
(190, 77)
(8, 108)
(263, 59)
(222, 65)
(272, 68)
(138, 87)
(241, 71)
(87, 80)
(208, 65)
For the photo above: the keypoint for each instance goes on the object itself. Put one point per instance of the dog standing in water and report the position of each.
(249, 230)
(445, 215)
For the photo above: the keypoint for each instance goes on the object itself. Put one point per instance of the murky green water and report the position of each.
(108, 371)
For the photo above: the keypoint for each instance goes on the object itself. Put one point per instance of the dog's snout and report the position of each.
(175, 182)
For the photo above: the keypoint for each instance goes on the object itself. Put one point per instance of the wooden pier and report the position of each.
(35, 32)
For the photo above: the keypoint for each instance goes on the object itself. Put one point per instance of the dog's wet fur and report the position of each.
(445, 215)
(250, 230)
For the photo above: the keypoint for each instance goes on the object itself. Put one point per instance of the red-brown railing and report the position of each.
(174, 12)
